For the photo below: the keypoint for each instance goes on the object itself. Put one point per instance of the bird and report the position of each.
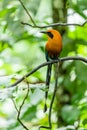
(53, 49)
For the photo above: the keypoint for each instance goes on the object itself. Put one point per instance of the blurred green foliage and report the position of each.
(22, 49)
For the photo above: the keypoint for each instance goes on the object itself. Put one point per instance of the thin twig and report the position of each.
(45, 64)
(55, 24)
(23, 100)
(20, 108)
(53, 97)
(15, 105)
(27, 12)
(52, 101)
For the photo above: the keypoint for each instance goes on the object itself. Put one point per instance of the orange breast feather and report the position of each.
(54, 45)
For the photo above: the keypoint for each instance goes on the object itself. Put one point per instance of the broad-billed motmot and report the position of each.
(53, 49)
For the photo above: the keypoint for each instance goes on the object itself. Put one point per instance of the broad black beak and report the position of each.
(44, 32)
(48, 33)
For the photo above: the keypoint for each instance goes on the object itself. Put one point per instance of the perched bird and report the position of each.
(53, 48)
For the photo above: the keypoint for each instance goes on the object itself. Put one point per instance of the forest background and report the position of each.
(22, 50)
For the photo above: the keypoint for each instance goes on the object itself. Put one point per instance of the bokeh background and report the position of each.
(22, 49)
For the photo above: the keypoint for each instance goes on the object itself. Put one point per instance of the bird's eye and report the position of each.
(50, 34)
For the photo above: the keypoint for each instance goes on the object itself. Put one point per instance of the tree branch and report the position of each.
(20, 108)
(27, 12)
(45, 64)
(50, 25)
(55, 24)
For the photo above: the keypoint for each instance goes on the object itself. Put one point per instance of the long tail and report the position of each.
(48, 77)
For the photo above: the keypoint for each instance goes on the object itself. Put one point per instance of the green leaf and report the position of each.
(30, 113)
(70, 113)
(81, 70)
(84, 121)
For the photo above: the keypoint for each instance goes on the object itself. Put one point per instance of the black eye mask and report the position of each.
(50, 34)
